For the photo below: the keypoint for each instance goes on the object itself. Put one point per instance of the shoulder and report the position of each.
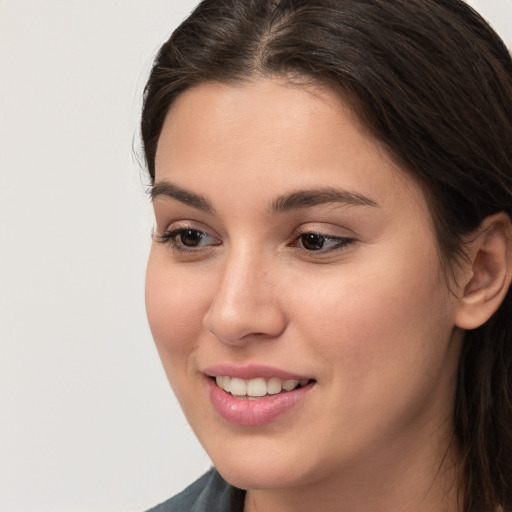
(209, 493)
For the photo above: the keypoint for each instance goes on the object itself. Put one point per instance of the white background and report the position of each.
(87, 422)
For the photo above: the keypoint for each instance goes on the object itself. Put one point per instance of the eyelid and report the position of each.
(170, 224)
(326, 230)
(342, 243)
(184, 224)
(171, 237)
(174, 229)
(343, 240)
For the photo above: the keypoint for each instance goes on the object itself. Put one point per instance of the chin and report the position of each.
(263, 474)
(266, 479)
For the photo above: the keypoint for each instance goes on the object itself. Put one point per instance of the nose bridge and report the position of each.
(245, 300)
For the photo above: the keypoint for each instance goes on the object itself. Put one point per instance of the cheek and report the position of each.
(387, 316)
(175, 309)
(384, 340)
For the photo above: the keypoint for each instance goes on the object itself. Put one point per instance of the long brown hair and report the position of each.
(433, 82)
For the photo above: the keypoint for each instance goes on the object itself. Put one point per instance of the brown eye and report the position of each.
(190, 237)
(312, 241)
(187, 239)
(316, 242)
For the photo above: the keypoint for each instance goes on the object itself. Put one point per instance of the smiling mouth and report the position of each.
(259, 387)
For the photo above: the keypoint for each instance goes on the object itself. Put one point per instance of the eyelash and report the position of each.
(171, 238)
(341, 242)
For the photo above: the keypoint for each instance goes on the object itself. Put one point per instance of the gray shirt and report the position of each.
(210, 493)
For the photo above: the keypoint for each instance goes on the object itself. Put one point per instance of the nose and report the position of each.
(245, 305)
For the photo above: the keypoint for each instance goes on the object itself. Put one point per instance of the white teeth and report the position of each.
(288, 385)
(237, 386)
(257, 387)
(274, 386)
(223, 382)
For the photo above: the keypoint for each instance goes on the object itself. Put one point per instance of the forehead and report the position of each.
(270, 135)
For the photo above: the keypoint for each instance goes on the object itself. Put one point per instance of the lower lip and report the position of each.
(258, 411)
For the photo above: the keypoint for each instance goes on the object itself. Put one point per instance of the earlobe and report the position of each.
(488, 276)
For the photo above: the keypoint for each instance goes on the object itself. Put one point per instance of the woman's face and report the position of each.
(289, 247)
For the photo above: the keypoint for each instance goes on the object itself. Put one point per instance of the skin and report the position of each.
(372, 321)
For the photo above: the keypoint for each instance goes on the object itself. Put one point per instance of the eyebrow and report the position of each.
(168, 189)
(292, 201)
(308, 198)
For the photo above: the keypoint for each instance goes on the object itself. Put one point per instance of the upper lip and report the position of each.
(250, 371)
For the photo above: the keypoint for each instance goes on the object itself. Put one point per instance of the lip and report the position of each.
(259, 410)
(251, 371)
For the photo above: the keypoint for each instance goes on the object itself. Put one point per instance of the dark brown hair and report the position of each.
(433, 82)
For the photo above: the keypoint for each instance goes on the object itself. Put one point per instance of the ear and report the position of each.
(488, 276)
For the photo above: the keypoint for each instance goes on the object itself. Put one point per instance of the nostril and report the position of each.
(242, 311)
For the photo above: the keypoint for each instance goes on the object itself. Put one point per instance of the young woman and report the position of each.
(329, 282)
